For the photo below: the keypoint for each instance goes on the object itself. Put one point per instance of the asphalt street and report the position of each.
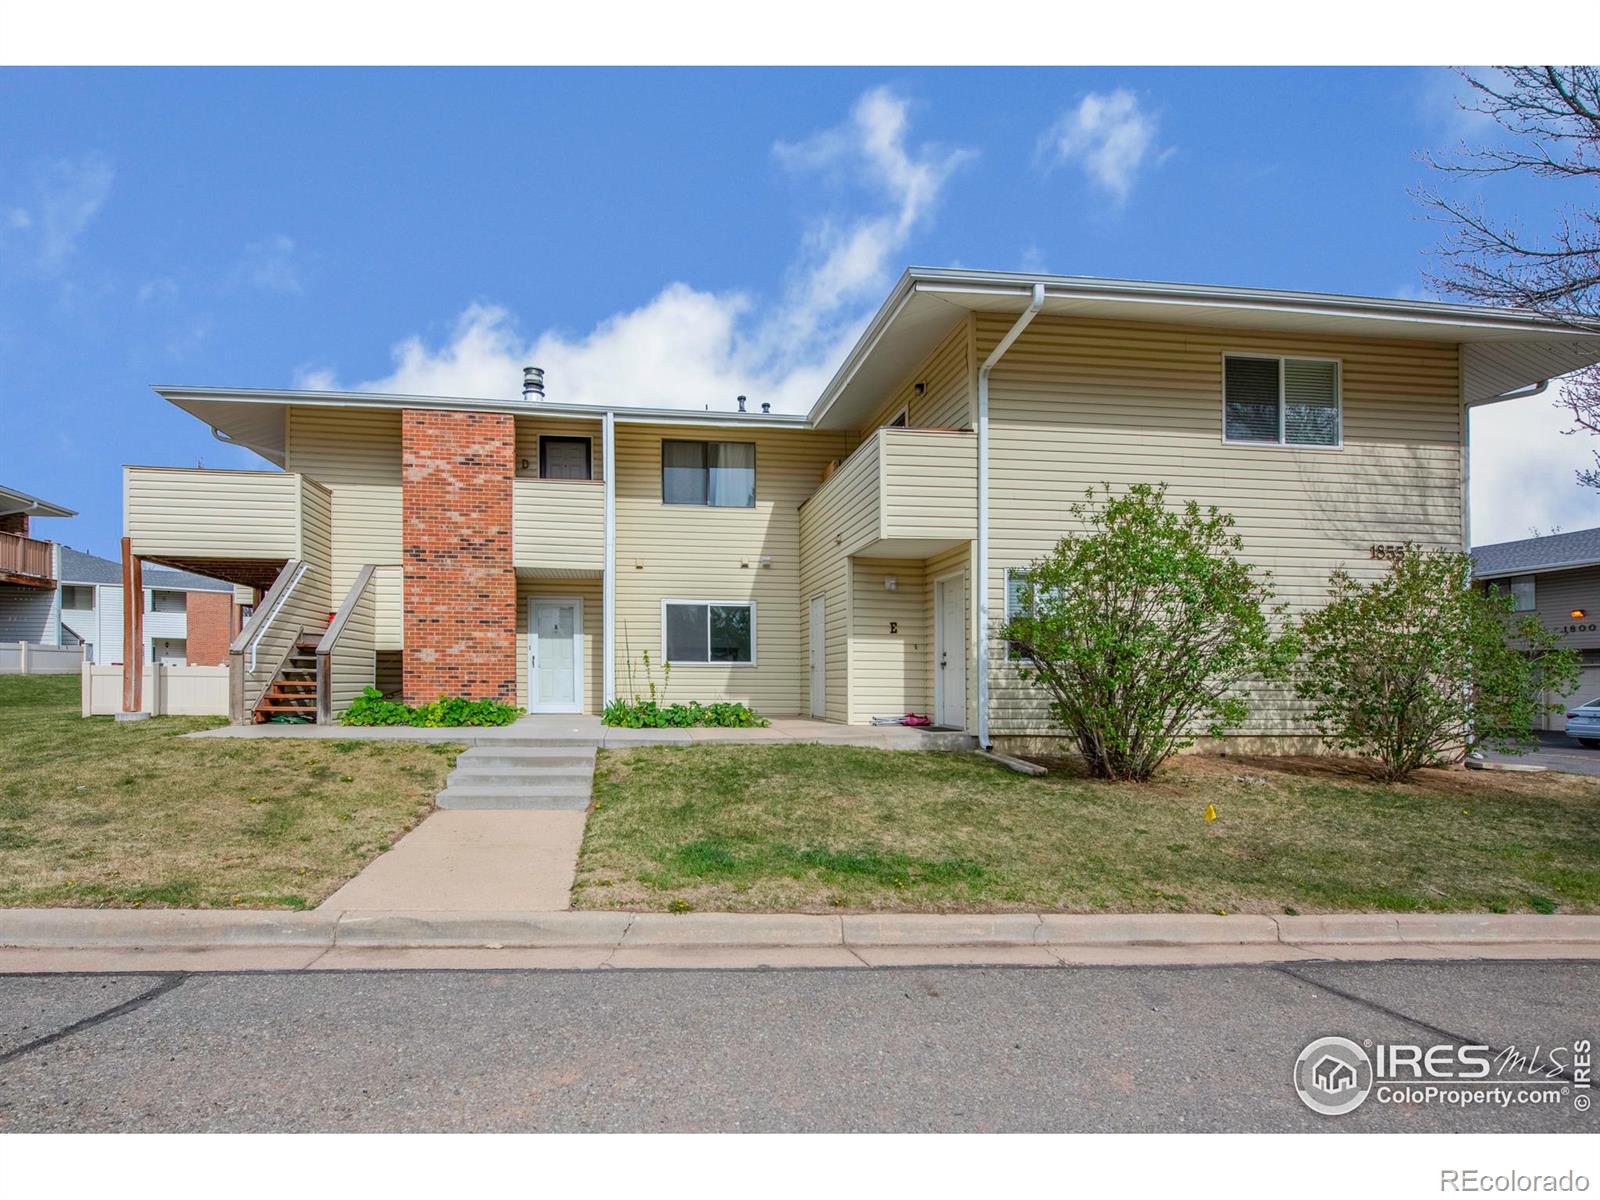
(915, 1049)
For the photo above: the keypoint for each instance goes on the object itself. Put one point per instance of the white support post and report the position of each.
(608, 599)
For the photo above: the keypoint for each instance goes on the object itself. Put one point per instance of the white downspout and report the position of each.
(995, 355)
(608, 599)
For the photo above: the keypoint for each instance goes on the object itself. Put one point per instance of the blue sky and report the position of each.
(657, 236)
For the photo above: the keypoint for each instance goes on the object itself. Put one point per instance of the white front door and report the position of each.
(555, 666)
(817, 642)
(950, 652)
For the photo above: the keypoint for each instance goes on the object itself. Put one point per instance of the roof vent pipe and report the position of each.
(766, 407)
(741, 403)
(532, 383)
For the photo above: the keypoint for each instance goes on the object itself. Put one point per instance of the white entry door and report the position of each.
(555, 666)
(817, 641)
(950, 652)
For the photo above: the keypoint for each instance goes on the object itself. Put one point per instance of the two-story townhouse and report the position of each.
(30, 602)
(847, 563)
(1555, 578)
(188, 620)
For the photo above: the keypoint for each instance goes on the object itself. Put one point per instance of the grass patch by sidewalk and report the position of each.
(99, 814)
(829, 828)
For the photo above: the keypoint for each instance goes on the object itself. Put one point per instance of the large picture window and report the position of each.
(1280, 401)
(718, 474)
(705, 632)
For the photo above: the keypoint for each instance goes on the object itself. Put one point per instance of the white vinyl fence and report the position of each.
(168, 691)
(30, 658)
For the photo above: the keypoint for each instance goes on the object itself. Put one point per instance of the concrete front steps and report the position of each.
(525, 774)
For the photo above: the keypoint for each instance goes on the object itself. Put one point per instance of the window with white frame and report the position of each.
(709, 632)
(1522, 594)
(713, 474)
(78, 597)
(169, 602)
(1280, 401)
(1019, 599)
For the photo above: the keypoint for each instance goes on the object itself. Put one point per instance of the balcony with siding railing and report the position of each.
(558, 524)
(902, 490)
(234, 525)
(26, 561)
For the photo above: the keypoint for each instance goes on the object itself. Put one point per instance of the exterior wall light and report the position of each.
(1578, 614)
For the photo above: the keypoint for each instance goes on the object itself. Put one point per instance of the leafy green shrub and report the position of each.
(647, 714)
(1414, 668)
(447, 712)
(1143, 627)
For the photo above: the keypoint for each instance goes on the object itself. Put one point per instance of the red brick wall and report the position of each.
(14, 523)
(460, 589)
(210, 628)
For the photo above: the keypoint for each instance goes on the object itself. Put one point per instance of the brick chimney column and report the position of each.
(460, 587)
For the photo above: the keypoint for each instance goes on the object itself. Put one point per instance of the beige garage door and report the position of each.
(1588, 689)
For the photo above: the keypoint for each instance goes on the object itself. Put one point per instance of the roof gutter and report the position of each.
(995, 355)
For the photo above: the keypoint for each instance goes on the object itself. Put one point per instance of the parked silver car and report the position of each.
(1583, 723)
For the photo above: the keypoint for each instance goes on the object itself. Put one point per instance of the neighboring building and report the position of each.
(188, 619)
(29, 602)
(840, 563)
(1557, 579)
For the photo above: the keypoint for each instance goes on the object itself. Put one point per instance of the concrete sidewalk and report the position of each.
(123, 939)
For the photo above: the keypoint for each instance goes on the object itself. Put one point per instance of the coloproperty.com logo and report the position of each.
(1335, 1075)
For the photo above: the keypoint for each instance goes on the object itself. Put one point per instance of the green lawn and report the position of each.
(820, 828)
(96, 813)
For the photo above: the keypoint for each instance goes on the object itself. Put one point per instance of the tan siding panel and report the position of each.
(695, 553)
(946, 401)
(174, 513)
(888, 670)
(355, 454)
(558, 523)
(1075, 403)
(930, 484)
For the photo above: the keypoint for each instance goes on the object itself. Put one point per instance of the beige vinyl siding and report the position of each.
(1556, 594)
(530, 429)
(194, 513)
(1077, 402)
(928, 484)
(825, 521)
(355, 454)
(689, 552)
(946, 402)
(888, 670)
(956, 561)
(353, 663)
(589, 591)
(558, 523)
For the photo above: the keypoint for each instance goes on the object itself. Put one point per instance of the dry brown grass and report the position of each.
(813, 828)
(93, 813)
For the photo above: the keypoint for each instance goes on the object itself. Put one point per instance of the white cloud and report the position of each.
(1108, 135)
(1523, 472)
(68, 194)
(690, 348)
(271, 265)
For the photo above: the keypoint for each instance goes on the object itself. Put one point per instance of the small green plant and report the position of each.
(447, 712)
(1414, 668)
(1145, 628)
(647, 714)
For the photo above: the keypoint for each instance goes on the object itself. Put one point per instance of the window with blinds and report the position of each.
(1280, 401)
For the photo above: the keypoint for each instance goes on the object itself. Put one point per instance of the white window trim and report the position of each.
(750, 604)
(1283, 407)
(903, 411)
(1533, 593)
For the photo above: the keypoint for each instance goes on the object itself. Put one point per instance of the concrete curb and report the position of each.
(130, 929)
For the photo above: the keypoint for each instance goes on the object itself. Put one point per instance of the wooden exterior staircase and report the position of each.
(293, 690)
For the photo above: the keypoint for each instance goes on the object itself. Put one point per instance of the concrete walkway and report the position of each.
(554, 728)
(479, 861)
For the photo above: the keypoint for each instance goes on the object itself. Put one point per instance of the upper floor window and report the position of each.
(566, 457)
(900, 420)
(720, 474)
(1522, 594)
(168, 602)
(77, 596)
(1280, 401)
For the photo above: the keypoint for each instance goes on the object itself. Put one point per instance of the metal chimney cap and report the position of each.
(766, 407)
(741, 403)
(532, 382)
